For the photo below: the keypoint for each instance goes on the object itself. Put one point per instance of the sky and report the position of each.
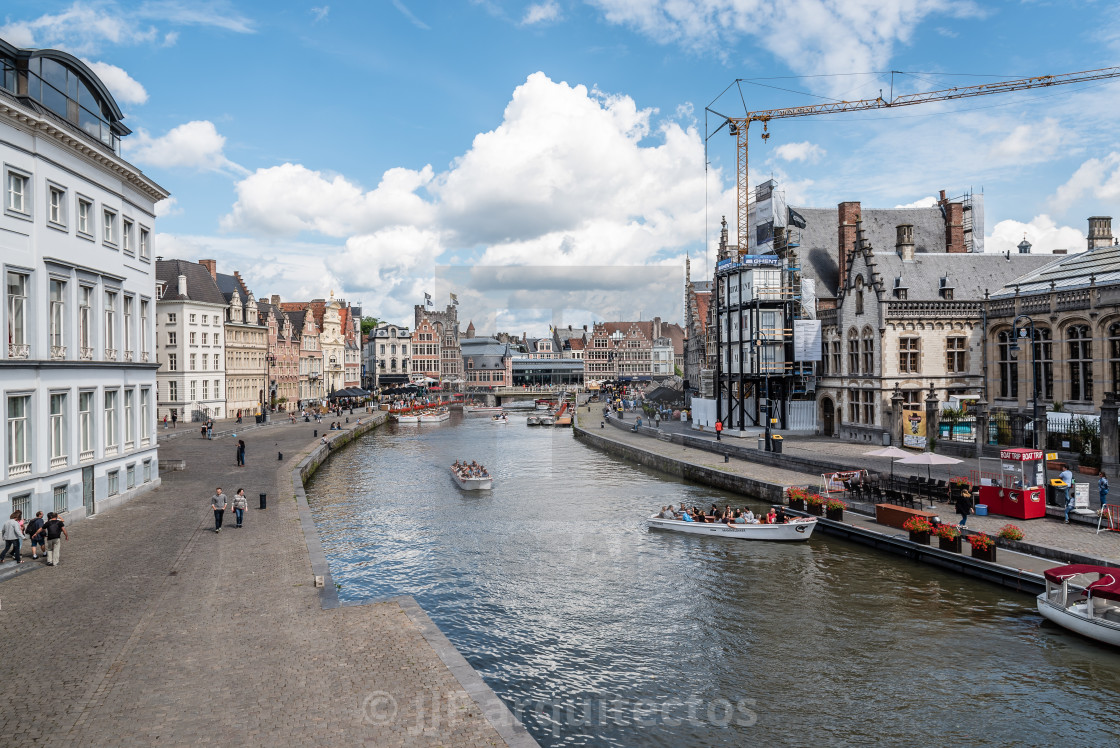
(551, 161)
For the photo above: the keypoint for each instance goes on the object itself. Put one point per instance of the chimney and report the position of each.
(212, 266)
(954, 224)
(1061, 251)
(1100, 231)
(848, 215)
(656, 328)
(182, 285)
(276, 299)
(904, 241)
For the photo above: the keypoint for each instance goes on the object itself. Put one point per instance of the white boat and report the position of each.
(1091, 609)
(408, 418)
(482, 409)
(798, 528)
(548, 420)
(533, 421)
(435, 416)
(473, 483)
(500, 420)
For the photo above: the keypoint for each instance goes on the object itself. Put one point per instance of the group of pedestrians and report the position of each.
(219, 502)
(46, 536)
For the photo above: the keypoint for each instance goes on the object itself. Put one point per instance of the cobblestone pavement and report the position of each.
(1079, 538)
(155, 630)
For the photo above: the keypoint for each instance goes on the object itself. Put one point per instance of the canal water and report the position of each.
(597, 631)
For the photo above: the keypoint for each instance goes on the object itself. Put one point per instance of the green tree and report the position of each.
(368, 323)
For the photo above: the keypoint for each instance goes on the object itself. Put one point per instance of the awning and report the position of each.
(1106, 586)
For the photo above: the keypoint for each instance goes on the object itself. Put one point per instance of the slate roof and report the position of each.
(1068, 271)
(968, 274)
(486, 353)
(200, 285)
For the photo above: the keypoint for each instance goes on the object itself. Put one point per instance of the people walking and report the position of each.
(964, 505)
(239, 415)
(1066, 476)
(210, 429)
(219, 504)
(165, 422)
(38, 537)
(174, 419)
(1102, 487)
(55, 530)
(12, 534)
(240, 453)
(240, 504)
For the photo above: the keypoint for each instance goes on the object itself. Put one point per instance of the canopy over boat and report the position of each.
(1107, 585)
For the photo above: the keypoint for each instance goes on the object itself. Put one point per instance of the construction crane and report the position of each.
(738, 126)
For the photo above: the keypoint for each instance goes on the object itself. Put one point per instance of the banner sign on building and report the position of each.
(914, 428)
(806, 340)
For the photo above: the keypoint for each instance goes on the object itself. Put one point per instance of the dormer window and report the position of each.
(945, 289)
(900, 291)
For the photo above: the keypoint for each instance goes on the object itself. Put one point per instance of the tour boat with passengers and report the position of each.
(797, 528)
(472, 476)
(1089, 608)
(435, 416)
(408, 418)
(500, 420)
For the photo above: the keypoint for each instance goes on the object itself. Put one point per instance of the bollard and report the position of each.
(316, 432)
(264, 500)
(726, 458)
(280, 456)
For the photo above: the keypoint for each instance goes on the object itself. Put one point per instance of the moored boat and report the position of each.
(533, 421)
(435, 416)
(408, 418)
(482, 409)
(799, 528)
(548, 420)
(1092, 609)
(472, 478)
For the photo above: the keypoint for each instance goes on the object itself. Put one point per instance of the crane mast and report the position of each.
(739, 126)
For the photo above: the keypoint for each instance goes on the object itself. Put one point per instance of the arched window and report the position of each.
(1007, 365)
(853, 352)
(1044, 357)
(1114, 355)
(868, 352)
(1080, 344)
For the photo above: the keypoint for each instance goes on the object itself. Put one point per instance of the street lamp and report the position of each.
(1018, 333)
(758, 340)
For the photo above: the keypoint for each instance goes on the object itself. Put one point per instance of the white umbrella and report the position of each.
(927, 459)
(893, 452)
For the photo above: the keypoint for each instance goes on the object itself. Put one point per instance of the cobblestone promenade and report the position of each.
(154, 630)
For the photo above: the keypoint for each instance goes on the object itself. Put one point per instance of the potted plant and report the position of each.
(796, 497)
(1010, 532)
(919, 528)
(834, 509)
(815, 504)
(948, 538)
(983, 546)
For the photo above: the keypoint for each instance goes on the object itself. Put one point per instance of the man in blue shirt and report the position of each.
(1066, 476)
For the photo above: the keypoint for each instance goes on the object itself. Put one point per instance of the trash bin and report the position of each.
(886, 439)
(264, 500)
(761, 443)
(1056, 492)
(776, 443)
(981, 510)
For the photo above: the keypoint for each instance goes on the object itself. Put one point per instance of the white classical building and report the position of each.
(190, 335)
(78, 376)
(389, 357)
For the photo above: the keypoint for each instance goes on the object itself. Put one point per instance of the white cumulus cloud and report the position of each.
(125, 88)
(809, 36)
(1044, 234)
(1097, 177)
(194, 145)
(291, 198)
(545, 12)
(803, 151)
(923, 202)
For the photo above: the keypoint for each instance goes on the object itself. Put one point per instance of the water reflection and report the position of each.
(599, 632)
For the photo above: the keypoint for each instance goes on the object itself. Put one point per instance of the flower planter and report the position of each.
(921, 538)
(985, 555)
(798, 504)
(953, 546)
(1085, 470)
(816, 509)
(837, 515)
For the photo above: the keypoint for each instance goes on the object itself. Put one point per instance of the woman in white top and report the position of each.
(12, 533)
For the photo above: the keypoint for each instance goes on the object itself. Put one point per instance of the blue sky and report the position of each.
(371, 148)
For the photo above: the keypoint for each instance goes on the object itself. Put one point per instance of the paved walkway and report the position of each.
(1053, 533)
(155, 630)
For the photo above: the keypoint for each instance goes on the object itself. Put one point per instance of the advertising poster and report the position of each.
(914, 428)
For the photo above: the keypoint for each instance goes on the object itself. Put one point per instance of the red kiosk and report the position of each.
(1019, 492)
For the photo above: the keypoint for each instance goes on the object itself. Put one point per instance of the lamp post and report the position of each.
(1017, 333)
(758, 341)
